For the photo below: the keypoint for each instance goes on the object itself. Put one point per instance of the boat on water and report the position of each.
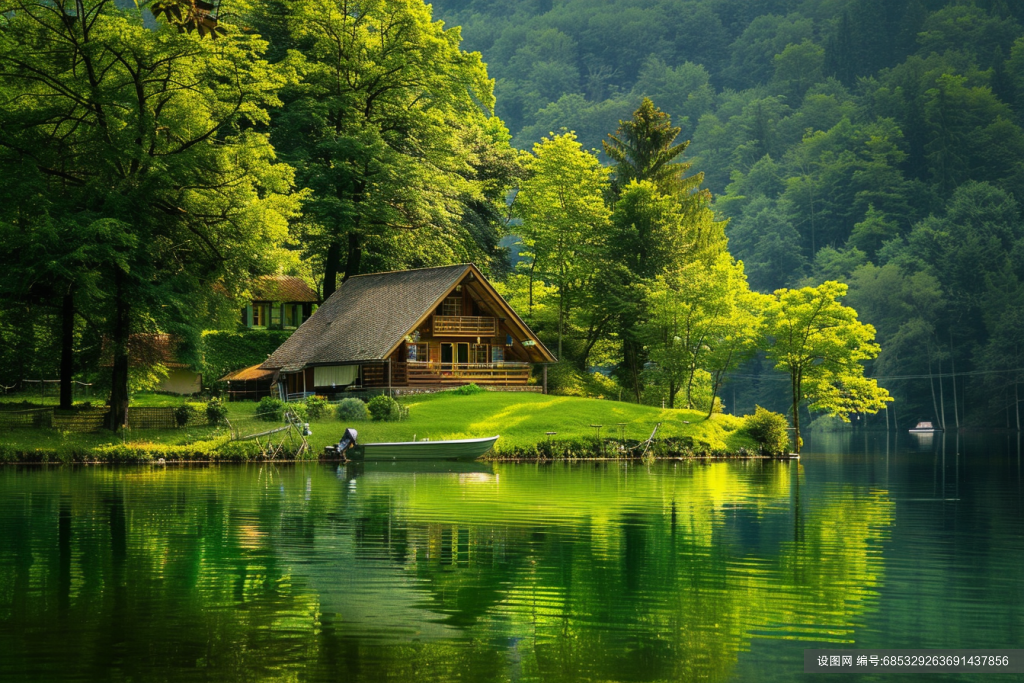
(925, 428)
(451, 449)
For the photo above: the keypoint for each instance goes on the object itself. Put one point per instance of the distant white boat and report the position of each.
(925, 428)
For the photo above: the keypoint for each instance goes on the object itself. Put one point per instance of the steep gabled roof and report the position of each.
(283, 288)
(366, 317)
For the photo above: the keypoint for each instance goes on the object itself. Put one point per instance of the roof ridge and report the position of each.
(410, 270)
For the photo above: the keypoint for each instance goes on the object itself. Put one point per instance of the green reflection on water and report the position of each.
(516, 572)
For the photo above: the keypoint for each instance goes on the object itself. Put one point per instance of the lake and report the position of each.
(513, 572)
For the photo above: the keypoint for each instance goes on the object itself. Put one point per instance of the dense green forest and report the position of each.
(874, 142)
(843, 156)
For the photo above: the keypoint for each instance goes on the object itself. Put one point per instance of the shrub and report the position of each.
(299, 410)
(216, 411)
(352, 410)
(383, 408)
(769, 430)
(270, 409)
(468, 390)
(317, 407)
(185, 414)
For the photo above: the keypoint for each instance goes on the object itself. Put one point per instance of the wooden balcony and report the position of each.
(465, 326)
(423, 373)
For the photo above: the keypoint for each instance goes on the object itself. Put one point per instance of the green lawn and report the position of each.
(521, 419)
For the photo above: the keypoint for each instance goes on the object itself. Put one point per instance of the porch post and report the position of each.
(545, 379)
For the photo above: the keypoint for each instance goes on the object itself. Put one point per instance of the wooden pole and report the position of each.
(952, 360)
(942, 397)
(545, 379)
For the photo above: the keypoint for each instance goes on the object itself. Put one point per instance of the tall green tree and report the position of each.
(148, 137)
(385, 129)
(661, 220)
(821, 345)
(565, 220)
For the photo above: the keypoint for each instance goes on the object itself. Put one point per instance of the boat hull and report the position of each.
(456, 449)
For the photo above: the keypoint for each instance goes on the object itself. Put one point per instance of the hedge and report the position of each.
(225, 352)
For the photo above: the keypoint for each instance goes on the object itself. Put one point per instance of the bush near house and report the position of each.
(317, 407)
(223, 352)
(383, 408)
(270, 409)
(352, 410)
(216, 411)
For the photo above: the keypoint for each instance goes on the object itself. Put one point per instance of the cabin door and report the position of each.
(463, 352)
(447, 353)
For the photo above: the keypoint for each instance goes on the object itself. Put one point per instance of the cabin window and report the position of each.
(497, 354)
(417, 352)
(435, 352)
(275, 316)
(290, 317)
(259, 315)
(478, 353)
(452, 306)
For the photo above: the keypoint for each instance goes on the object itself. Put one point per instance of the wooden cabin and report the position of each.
(429, 327)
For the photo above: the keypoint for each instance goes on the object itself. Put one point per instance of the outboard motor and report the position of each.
(347, 441)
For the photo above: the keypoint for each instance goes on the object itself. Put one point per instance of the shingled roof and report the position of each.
(284, 288)
(366, 317)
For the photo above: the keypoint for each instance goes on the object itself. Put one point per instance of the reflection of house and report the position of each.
(410, 328)
(279, 302)
(149, 350)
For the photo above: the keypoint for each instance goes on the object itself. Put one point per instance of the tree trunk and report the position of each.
(630, 354)
(332, 266)
(1016, 396)
(795, 379)
(533, 265)
(942, 398)
(561, 308)
(117, 417)
(672, 394)
(355, 256)
(67, 349)
(716, 381)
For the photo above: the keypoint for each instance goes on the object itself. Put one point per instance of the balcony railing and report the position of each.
(465, 326)
(421, 372)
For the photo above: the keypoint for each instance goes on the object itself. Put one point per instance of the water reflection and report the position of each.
(387, 571)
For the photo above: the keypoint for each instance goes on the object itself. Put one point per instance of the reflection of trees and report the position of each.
(258, 573)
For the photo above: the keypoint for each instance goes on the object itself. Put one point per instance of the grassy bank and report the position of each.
(521, 419)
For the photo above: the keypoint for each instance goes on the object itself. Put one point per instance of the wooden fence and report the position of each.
(26, 419)
(151, 418)
(82, 420)
(91, 419)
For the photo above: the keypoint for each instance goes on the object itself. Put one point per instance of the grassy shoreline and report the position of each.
(522, 420)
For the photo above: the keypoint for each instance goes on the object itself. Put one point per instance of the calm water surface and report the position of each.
(596, 572)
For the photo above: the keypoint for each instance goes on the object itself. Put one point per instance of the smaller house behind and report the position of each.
(279, 302)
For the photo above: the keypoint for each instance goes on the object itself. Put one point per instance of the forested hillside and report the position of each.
(733, 202)
(876, 142)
